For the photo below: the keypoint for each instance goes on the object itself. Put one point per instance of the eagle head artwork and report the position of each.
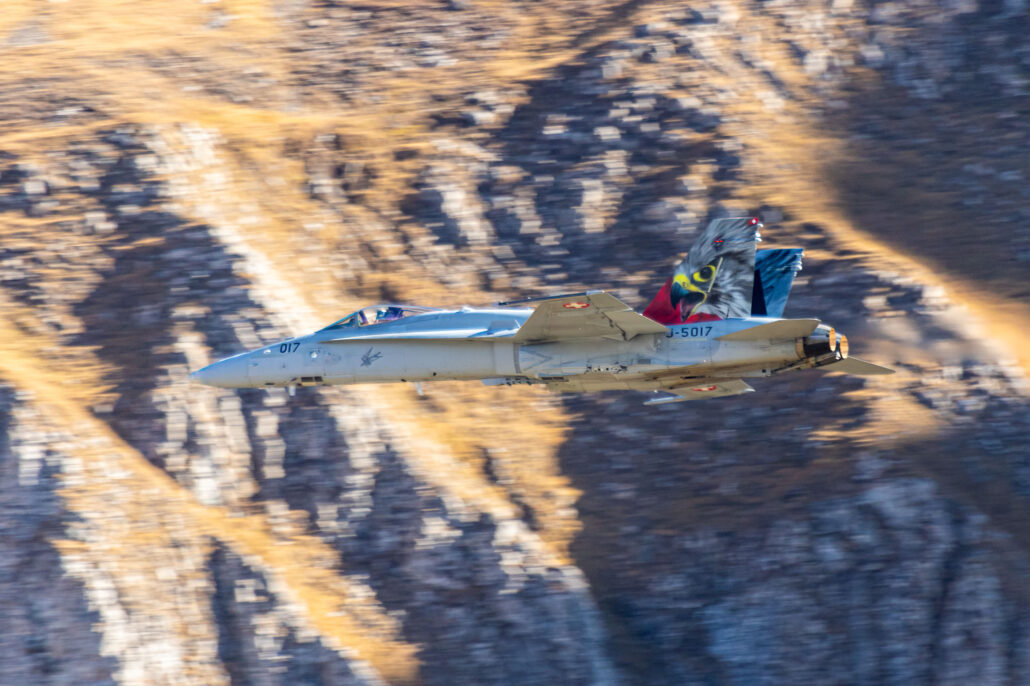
(716, 278)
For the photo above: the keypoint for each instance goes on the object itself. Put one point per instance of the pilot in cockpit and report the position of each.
(389, 314)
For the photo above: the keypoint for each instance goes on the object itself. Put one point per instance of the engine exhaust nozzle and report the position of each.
(816, 347)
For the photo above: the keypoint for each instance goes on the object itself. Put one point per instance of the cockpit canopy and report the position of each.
(378, 314)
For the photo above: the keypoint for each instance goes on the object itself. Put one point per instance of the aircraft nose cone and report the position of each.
(230, 373)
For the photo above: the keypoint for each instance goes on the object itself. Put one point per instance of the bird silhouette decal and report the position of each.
(369, 357)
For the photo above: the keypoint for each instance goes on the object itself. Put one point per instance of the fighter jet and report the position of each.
(716, 321)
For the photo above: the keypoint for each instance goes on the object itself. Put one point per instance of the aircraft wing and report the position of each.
(715, 389)
(594, 314)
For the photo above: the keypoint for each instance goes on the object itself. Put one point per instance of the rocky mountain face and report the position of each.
(174, 189)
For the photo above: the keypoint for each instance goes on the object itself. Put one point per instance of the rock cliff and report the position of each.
(174, 189)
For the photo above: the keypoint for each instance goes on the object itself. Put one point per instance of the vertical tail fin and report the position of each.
(774, 275)
(716, 278)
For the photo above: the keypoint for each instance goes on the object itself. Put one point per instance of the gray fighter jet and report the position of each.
(715, 322)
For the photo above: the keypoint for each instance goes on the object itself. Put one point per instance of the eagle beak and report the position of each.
(686, 295)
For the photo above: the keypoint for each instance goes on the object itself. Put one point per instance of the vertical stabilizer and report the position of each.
(716, 278)
(774, 275)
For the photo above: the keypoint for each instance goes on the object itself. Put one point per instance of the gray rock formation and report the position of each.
(823, 530)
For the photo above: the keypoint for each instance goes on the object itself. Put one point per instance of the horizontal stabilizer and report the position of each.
(783, 329)
(702, 391)
(853, 365)
(595, 314)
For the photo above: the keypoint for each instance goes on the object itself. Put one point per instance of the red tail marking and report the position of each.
(662, 311)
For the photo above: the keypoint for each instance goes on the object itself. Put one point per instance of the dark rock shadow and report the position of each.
(48, 624)
(936, 162)
(241, 600)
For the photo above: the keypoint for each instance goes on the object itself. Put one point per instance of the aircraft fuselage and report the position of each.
(645, 362)
(706, 330)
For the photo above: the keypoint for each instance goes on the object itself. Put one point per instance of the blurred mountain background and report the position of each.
(182, 181)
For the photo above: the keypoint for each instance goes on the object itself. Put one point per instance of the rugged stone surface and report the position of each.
(167, 200)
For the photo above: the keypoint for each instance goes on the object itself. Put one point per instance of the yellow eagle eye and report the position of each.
(704, 274)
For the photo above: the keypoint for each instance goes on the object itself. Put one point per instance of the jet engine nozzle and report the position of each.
(824, 346)
(816, 346)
